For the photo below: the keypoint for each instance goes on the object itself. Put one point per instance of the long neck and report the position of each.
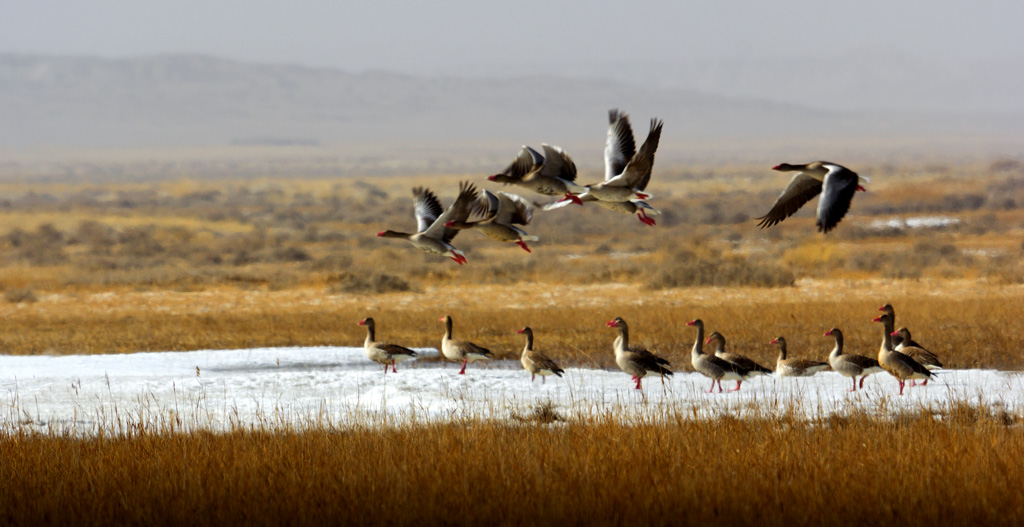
(622, 341)
(395, 234)
(448, 328)
(838, 350)
(887, 334)
(782, 350)
(698, 345)
(529, 342)
(371, 334)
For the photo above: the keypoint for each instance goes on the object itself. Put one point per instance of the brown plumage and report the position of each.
(836, 184)
(912, 349)
(753, 369)
(536, 362)
(461, 350)
(897, 364)
(795, 367)
(848, 364)
(383, 352)
(711, 366)
(432, 236)
(636, 361)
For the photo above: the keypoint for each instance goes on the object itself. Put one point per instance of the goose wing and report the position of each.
(527, 162)
(839, 186)
(799, 191)
(619, 147)
(513, 209)
(638, 171)
(458, 211)
(557, 163)
(426, 208)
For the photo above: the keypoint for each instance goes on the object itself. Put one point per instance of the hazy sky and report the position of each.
(444, 35)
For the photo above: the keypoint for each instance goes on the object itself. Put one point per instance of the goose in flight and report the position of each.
(431, 234)
(835, 183)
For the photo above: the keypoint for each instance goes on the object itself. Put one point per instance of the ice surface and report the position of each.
(337, 386)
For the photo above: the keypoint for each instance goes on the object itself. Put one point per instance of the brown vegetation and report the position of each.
(842, 471)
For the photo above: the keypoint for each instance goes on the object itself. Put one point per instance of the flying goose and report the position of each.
(502, 212)
(835, 183)
(382, 352)
(550, 174)
(431, 234)
(627, 170)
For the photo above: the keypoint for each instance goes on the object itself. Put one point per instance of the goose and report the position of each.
(627, 170)
(905, 344)
(502, 212)
(382, 352)
(897, 341)
(461, 350)
(795, 367)
(753, 369)
(638, 362)
(849, 364)
(711, 366)
(897, 364)
(914, 350)
(536, 362)
(431, 234)
(835, 183)
(550, 174)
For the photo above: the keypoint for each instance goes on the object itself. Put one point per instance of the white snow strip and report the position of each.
(337, 387)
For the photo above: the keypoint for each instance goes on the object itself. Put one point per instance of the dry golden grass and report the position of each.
(911, 470)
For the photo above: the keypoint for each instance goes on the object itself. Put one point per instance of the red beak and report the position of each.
(827, 333)
(708, 341)
(492, 178)
(691, 323)
(611, 324)
(776, 167)
(876, 319)
(362, 322)
(894, 333)
(774, 341)
(881, 308)
(521, 330)
(440, 319)
(381, 233)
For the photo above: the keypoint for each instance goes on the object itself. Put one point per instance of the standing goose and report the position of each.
(551, 174)
(897, 341)
(431, 234)
(627, 170)
(711, 366)
(638, 362)
(899, 365)
(835, 183)
(795, 367)
(914, 350)
(382, 352)
(536, 362)
(848, 364)
(461, 350)
(753, 369)
(502, 212)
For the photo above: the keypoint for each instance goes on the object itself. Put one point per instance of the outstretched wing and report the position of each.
(638, 171)
(485, 206)
(527, 162)
(426, 208)
(619, 147)
(839, 186)
(513, 209)
(458, 211)
(799, 191)
(557, 163)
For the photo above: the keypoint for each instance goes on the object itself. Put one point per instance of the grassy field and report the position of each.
(118, 266)
(913, 470)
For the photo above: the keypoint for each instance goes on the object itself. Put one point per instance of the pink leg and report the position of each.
(386, 369)
(533, 377)
(637, 382)
(641, 195)
(522, 244)
(543, 379)
(719, 385)
(463, 370)
(738, 383)
(925, 383)
(854, 384)
(393, 368)
(645, 219)
(712, 388)
(901, 386)
(862, 381)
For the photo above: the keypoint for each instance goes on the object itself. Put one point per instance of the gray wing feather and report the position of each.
(619, 147)
(799, 191)
(426, 208)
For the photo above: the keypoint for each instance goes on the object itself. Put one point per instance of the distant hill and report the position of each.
(193, 100)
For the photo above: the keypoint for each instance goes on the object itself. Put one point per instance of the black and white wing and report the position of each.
(527, 162)
(838, 188)
(426, 208)
(486, 205)
(799, 191)
(513, 209)
(619, 147)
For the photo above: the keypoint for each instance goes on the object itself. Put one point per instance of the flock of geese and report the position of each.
(899, 355)
(502, 215)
